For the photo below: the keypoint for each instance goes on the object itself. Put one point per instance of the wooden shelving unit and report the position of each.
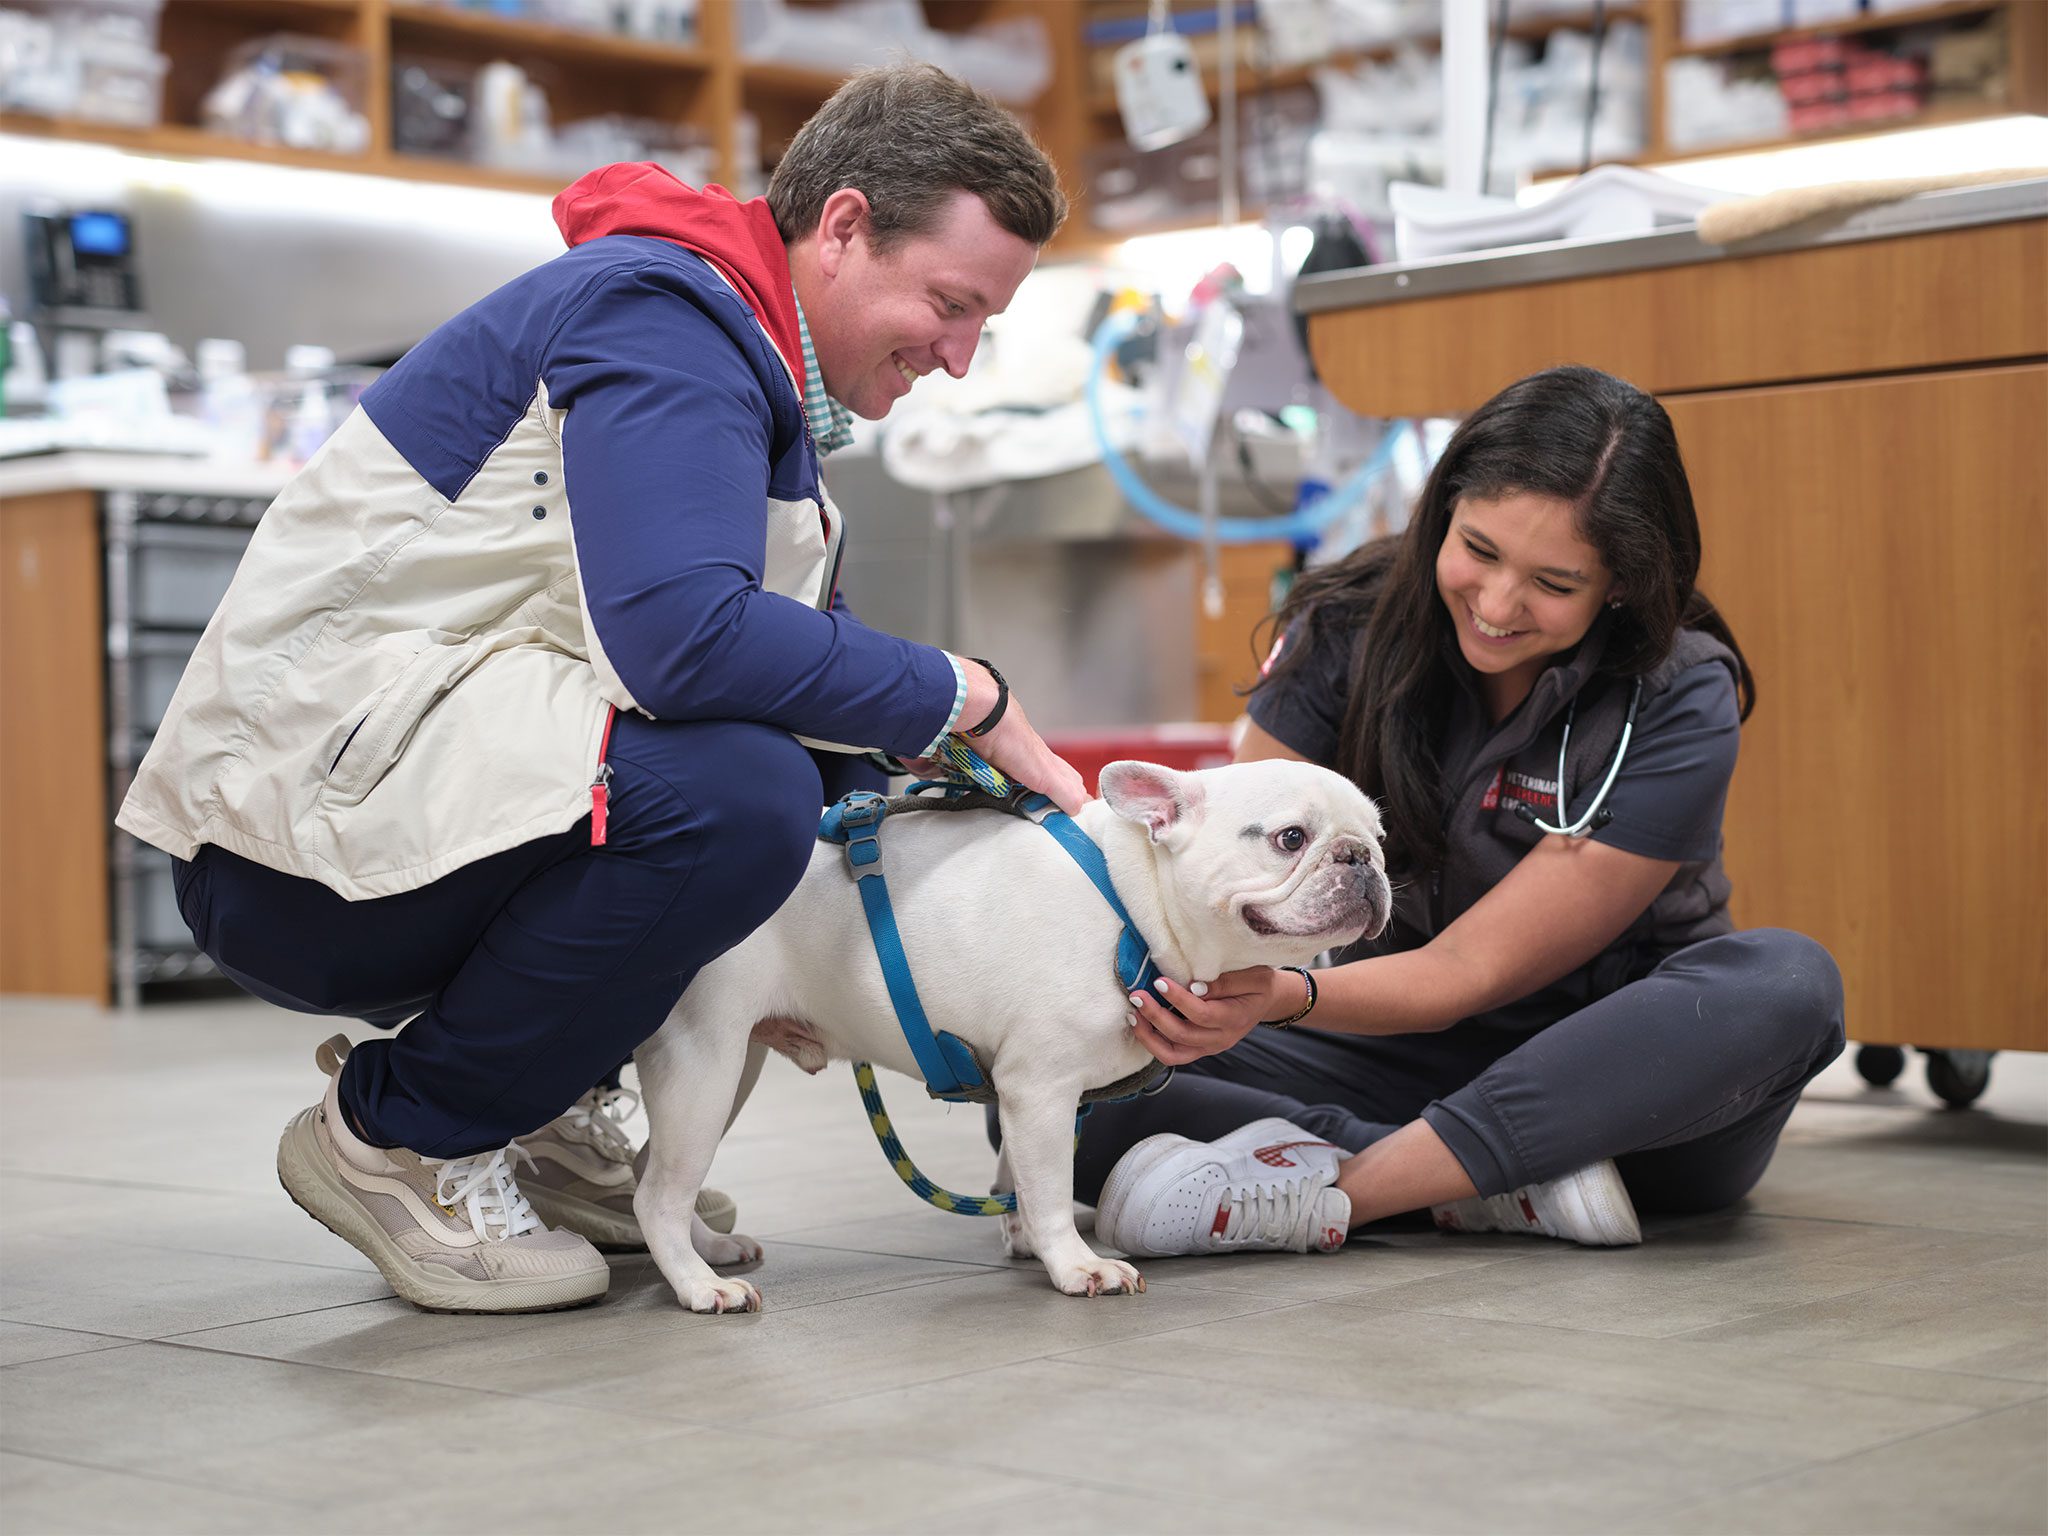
(1102, 100)
(482, 34)
(707, 84)
(1847, 26)
(2025, 85)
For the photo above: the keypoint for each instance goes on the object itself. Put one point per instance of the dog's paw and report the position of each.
(722, 1249)
(715, 1295)
(725, 1250)
(1016, 1242)
(1099, 1277)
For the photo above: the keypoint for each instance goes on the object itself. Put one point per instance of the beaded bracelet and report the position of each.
(1307, 1008)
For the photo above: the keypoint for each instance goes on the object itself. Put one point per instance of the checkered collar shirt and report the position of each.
(831, 422)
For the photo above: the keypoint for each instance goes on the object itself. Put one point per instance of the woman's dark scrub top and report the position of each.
(1667, 801)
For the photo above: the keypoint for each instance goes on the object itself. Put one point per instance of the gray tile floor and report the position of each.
(1862, 1347)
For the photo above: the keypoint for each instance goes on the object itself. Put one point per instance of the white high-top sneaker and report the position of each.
(1590, 1207)
(1267, 1185)
(449, 1234)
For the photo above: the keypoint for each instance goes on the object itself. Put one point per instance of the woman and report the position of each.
(1560, 1026)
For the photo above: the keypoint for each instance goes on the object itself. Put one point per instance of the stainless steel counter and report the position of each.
(40, 474)
(1551, 261)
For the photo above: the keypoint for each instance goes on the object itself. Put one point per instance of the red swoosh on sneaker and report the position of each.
(1275, 1156)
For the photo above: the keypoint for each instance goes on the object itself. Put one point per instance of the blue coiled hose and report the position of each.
(1304, 523)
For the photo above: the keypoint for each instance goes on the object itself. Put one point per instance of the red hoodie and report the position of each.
(740, 239)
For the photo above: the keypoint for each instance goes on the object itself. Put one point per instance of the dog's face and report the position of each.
(1270, 862)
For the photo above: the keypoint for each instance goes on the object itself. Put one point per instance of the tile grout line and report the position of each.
(165, 1478)
(187, 1338)
(1690, 1334)
(1768, 1478)
(8, 1170)
(1053, 1357)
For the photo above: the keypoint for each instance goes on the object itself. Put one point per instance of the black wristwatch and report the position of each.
(1002, 701)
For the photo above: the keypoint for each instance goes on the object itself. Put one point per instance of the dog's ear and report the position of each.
(1158, 799)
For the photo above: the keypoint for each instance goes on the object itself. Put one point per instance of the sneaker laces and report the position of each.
(487, 1192)
(601, 1112)
(1266, 1212)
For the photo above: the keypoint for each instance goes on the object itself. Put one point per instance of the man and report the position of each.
(496, 730)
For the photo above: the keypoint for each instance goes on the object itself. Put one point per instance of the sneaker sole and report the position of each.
(600, 1227)
(304, 1171)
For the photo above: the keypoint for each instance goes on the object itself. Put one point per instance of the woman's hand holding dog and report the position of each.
(1189, 1025)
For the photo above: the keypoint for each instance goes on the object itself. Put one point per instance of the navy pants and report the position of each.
(530, 975)
(1684, 1077)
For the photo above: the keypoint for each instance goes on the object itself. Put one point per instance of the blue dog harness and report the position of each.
(949, 1067)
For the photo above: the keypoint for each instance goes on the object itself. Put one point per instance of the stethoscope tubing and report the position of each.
(1583, 827)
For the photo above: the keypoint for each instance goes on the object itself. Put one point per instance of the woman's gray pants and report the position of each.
(1684, 1078)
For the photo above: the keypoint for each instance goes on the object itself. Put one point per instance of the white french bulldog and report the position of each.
(1013, 950)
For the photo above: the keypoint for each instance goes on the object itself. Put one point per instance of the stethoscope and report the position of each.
(1597, 815)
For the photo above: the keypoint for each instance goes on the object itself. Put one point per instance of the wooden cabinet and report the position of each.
(109, 569)
(1866, 431)
(1226, 655)
(1880, 547)
(53, 866)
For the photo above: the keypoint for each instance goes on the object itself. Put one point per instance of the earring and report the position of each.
(1614, 602)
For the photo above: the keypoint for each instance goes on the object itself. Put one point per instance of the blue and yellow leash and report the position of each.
(968, 767)
(908, 1172)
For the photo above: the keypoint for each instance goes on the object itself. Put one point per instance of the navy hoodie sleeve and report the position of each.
(666, 450)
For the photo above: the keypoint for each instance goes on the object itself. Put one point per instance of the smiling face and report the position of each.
(1520, 586)
(880, 320)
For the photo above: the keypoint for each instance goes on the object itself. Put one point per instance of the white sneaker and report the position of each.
(1591, 1207)
(584, 1172)
(449, 1234)
(1268, 1185)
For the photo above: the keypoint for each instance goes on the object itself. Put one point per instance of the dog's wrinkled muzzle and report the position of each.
(1347, 896)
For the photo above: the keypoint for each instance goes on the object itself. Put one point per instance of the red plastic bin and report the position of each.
(1171, 746)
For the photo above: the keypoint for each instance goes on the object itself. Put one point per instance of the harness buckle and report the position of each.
(864, 855)
(860, 821)
(861, 808)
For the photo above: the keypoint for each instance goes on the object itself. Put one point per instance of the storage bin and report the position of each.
(1186, 747)
(90, 59)
(125, 90)
(181, 574)
(108, 29)
(430, 107)
(302, 92)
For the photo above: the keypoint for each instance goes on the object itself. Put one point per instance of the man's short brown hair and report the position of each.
(909, 137)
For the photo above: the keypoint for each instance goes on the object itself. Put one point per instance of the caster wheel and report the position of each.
(1880, 1065)
(1958, 1077)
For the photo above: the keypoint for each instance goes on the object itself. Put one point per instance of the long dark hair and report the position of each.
(1573, 434)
